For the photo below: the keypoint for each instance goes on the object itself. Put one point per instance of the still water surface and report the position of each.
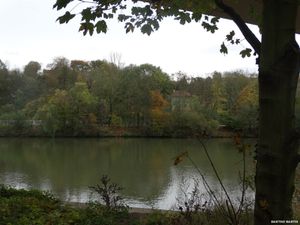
(144, 167)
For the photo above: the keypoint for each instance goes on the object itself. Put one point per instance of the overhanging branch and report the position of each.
(248, 34)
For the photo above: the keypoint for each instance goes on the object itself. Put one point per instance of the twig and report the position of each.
(244, 182)
(220, 181)
(207, 187)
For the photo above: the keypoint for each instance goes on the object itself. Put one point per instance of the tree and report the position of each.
(105, 78)
(59, 75)
(10, 83)
(279, 63)
(67, 112)
(245, 110)
(218, 95)
(55, 112)
(134, 92)
(32, 69)
(31, 84)
(234, 82)
(158, 112)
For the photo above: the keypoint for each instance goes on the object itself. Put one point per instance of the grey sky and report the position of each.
(29, 32)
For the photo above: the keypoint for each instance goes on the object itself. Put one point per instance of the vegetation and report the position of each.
(98, 98)
(232, 212)
(22, 207)
(278, 61)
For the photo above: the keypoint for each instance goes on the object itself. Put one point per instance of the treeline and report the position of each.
(99, 98)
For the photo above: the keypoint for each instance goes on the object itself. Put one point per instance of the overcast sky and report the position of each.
(29, 31)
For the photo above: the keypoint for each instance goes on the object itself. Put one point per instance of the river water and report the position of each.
(143, 167)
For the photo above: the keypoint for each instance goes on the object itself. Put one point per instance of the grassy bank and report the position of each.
(23, 207)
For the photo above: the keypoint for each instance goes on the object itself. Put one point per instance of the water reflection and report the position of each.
(144, 167)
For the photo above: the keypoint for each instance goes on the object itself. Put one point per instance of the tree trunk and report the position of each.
(277, 145)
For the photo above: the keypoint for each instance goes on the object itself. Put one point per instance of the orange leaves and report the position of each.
(180, 158)
(157, 100)
(158, 107)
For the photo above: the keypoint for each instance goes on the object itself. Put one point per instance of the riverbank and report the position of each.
(24, 207)
(128, 132)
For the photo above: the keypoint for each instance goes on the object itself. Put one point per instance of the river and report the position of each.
(144, 167)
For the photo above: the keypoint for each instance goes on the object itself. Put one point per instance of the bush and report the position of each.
(190, 123)
(109, 193)
(23, 207)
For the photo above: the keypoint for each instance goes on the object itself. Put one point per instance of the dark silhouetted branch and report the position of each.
(248, 34)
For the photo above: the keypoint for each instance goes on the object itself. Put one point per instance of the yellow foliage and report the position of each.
(157, 100)
(248, 96)
(158, 106)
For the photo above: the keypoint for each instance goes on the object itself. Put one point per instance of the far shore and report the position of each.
(132, 133)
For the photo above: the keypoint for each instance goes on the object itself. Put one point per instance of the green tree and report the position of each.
(59, 75)
(82, 105)
(279, 65)
(245, 110)
(55, 112)
(219, 100)
(134, 96)
(31, 86)
(234, 82)
(105, 79)
(156, 79)
(83, 71)
(10, 83)
(67, 112)
(202, 87)
(4, 83)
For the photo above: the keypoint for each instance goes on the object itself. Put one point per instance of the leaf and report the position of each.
(155, 24)
(246, 52)
(65, 18)
(87, 14)
(214, 20)
(148, 10)
(197, 16)
(229, 36)
(182, 21)
(101, 26)
(223, 49)
(146, 28)
(61, 4)
(183, 18)
(123, 17)
(129, 27)
(209, 27)
(87, 27)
